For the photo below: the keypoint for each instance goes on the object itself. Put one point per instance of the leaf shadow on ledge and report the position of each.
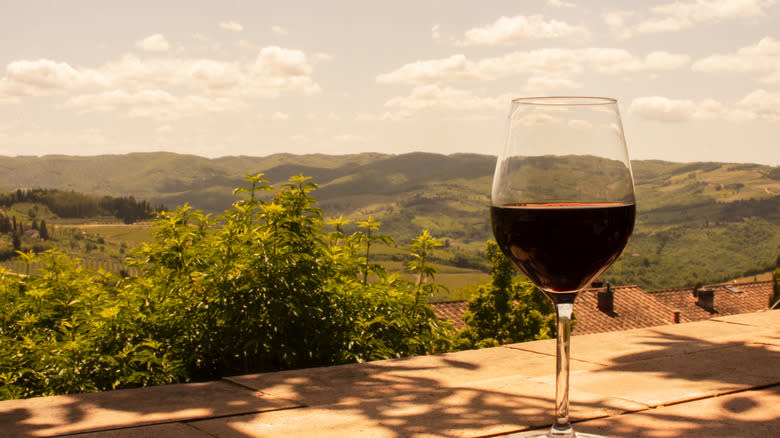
(478, 393)
(692, 387)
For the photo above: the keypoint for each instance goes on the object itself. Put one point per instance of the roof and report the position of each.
(633, 307)
(451, 310)
(727, 299)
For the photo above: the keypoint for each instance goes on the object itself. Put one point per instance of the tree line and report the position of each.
(70, 204)
(269, 285)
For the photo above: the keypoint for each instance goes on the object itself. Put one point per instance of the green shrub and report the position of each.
(262, 287)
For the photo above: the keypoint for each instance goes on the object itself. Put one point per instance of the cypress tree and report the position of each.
(17, 241)
(44, 232)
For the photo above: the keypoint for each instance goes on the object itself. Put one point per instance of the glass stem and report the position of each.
(562, 427)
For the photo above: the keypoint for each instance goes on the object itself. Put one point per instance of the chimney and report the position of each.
(705, 297)
(677, 316)
(606, 300)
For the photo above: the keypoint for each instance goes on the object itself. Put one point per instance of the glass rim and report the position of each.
(564, 100)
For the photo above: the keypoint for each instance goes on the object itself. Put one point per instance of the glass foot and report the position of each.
(538, 434)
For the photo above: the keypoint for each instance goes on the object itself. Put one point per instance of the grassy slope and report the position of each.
(691, 224)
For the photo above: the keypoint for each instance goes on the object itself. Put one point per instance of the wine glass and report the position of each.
(562, 207)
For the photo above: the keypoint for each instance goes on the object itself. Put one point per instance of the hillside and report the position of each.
(696, 221)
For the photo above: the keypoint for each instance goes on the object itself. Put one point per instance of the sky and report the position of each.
(696, 80)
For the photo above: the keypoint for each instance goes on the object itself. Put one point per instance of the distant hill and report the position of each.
(696, 221)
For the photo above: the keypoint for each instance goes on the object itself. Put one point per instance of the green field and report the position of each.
(695, 221)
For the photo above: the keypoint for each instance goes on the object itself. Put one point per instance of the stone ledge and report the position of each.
(707, 378)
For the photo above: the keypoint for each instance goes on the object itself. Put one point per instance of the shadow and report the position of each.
(480, 393)
(693, 386)
(682, 356)
(70, 415)
(755, 416)
(398, 399)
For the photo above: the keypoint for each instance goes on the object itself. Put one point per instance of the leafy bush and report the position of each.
(69, 330)
(509, 309)
(259, 288)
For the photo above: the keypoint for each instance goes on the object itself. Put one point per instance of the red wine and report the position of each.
(562, 247)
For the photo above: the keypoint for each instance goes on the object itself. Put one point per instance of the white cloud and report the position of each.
(154, 104)
(616, 22)
(509, 30)
(42, 73)
(535, 119)
(536, 63)
(215, 74)
(231, 25)
(609, 60)
(551, 82)
(436, 70)
(279, 30)
(712, 10)
(44, 76)
(9, 92)
(280, 116)
(276, 61)
(142, 73)
(284, 71)
(763, 104)
(435, 98)
(560, 4)
(674, 17)
(666, 61)
(154, 43)
(435, 32)
(276, 71)
(162, 87)
(762, 57)
(679, 110)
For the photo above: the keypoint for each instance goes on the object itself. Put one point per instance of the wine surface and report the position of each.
(562, 247)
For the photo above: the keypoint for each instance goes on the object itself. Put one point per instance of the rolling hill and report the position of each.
(696, 221)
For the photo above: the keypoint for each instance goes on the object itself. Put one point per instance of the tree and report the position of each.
(508, 309)
(43, 230)
(5, 225)
(16, 240)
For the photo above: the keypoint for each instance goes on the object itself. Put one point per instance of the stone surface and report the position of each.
(489, 407)
(337, 384)
(665, 341)
(711, 378)
(744, 414)
(48, 416)
(168, 430)
(676, 378)
(767, 319)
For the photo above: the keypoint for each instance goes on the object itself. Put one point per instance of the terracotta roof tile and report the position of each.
(451, 310)
(727, 299)
(633, 307)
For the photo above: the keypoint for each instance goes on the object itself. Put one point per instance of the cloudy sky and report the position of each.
(696, 79)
